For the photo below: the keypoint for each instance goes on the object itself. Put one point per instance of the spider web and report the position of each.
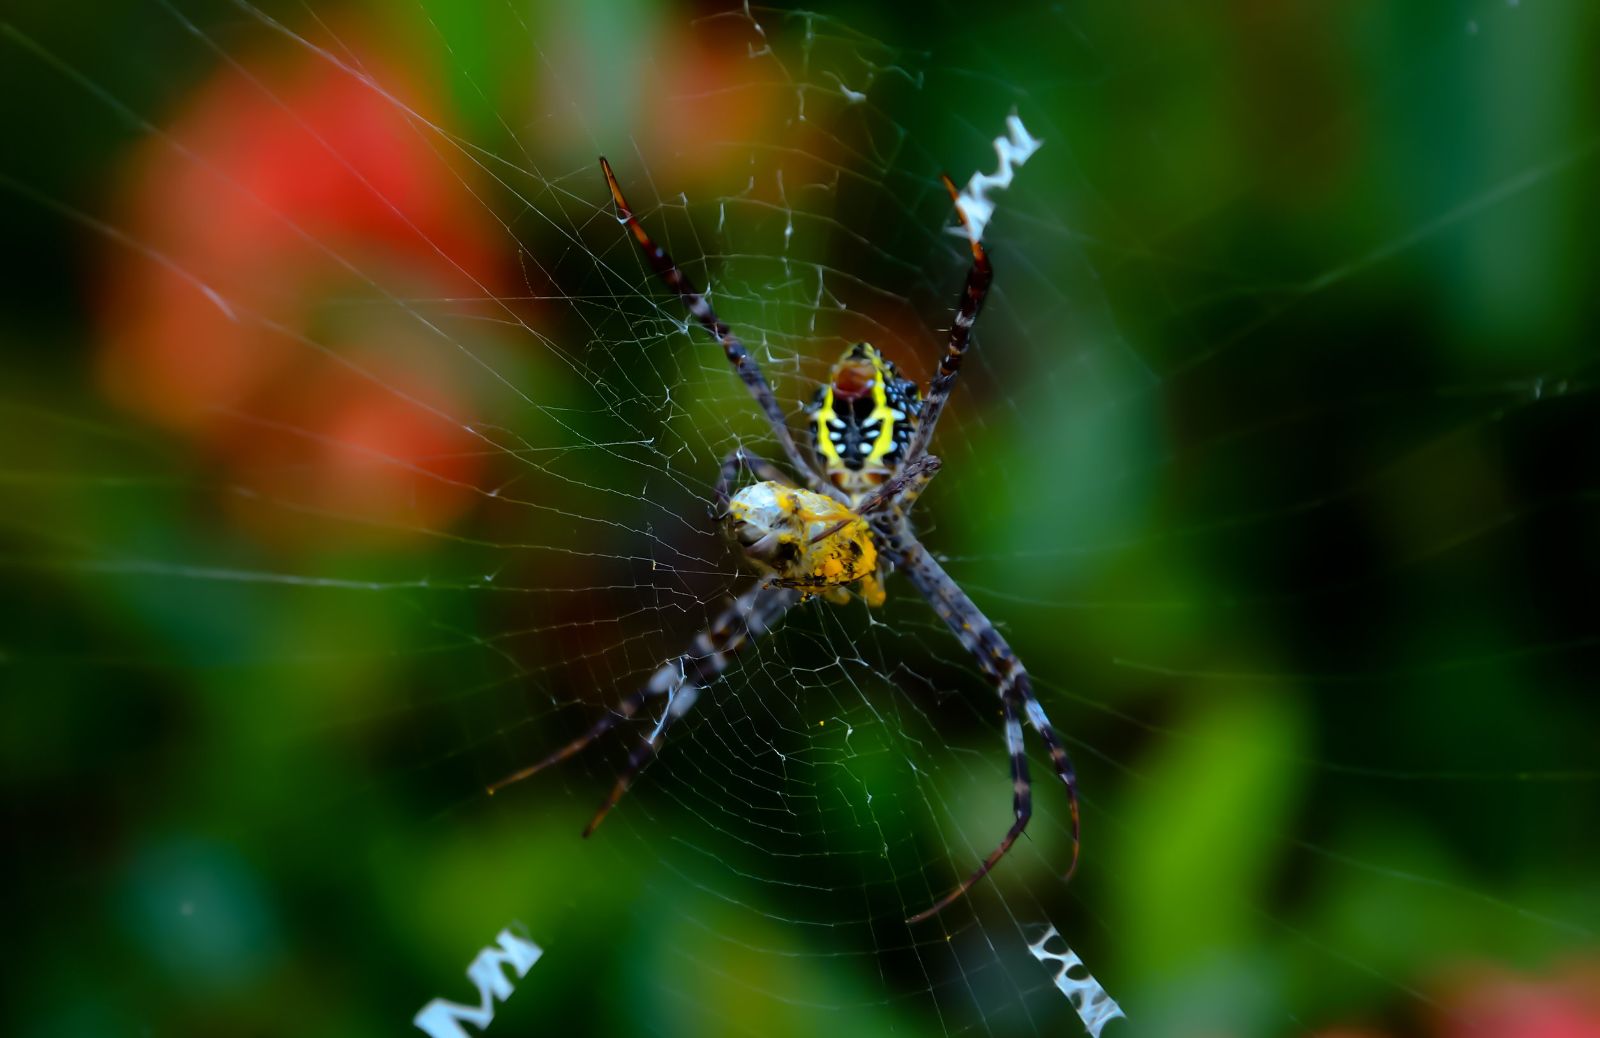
(1254, 462)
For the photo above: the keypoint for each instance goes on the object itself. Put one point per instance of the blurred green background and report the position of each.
(350, 459)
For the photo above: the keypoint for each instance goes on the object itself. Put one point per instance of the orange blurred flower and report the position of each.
(689, 98)
(705, 97)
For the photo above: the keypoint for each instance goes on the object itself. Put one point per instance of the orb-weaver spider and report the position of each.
(849, 522)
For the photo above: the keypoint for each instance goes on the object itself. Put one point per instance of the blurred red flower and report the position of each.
(1492, 1002)
(1489, 1002)
(281, 221)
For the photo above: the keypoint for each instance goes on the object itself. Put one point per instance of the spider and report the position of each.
(849, 523)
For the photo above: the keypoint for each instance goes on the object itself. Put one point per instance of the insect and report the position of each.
(845, 520)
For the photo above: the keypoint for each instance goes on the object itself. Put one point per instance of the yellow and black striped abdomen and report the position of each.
(863, 418)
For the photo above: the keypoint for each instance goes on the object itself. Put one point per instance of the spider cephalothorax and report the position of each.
(862, 420)
(848, 524)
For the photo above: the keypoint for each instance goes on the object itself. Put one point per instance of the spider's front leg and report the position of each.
(744, 364)
(973, 295)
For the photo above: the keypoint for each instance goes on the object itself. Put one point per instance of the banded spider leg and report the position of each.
(743, 363)
(680, 679)
(1011, 681)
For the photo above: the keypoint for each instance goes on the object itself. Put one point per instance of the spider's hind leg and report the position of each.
(679, 702)
(1021, 806)
(1011, 681)
(621, 712)
(1061, 762)
(680, 679)
(751, 615)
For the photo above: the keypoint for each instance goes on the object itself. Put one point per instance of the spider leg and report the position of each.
(622, 712)
(904, 487)
(713, 651)
(1010, 678)
(976, 291)
(1060, 761)
(679, 702)
(743, 363)
(1022, 807)
(749, 616)
(908, 482)
(737, 459)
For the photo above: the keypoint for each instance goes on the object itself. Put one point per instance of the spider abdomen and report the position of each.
(863, 419)
(805, 540)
